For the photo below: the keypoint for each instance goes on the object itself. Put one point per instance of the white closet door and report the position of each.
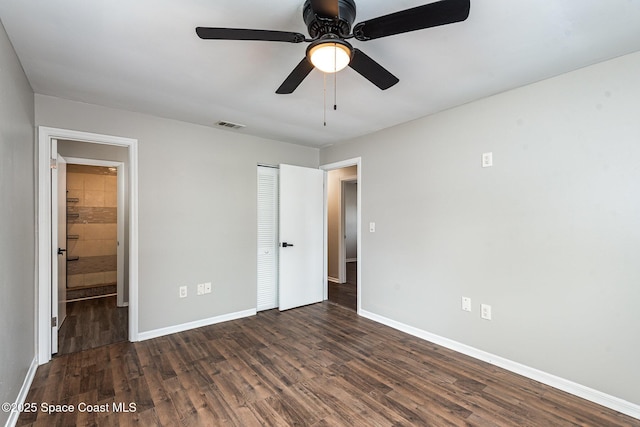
(267, 238)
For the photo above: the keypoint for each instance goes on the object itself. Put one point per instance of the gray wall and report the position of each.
(549, 236)
(197, 207)
(17, 232)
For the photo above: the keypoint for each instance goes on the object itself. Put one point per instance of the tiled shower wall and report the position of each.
(91, 226)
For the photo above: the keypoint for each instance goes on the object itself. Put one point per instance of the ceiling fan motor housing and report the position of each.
(319, 26)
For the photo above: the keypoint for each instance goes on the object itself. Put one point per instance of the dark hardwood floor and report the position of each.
(346, 294)
(92, 323)
(319, 365)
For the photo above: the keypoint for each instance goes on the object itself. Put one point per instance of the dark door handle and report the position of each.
(286, 245)
(61, 251)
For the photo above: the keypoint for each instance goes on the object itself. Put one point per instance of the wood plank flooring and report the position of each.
(319, 365)
(92, 323)
(346, 294)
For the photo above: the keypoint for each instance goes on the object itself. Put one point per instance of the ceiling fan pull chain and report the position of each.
(324, 99)
(335, 80)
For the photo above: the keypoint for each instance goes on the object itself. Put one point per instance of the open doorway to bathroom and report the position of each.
(96, 308)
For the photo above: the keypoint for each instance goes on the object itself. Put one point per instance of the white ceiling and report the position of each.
(144, 56)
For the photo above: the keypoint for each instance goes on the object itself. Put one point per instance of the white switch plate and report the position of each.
(485, 311)
(183, 291)
(372, 227)
(466, 304)
(487, 160)
(207, 288)
(200, 288)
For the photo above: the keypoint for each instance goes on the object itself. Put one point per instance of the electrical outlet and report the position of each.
(372, 227)
(200, 288)
(207, 288)
(466, 304)
(485, 311)
(183, 291)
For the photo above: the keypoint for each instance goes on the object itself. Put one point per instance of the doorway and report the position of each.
(343, 233)
(93, 290)
(47, 285)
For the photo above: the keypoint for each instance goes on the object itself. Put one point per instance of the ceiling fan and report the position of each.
(329, 25)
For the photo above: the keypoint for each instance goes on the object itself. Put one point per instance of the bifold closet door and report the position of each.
(267, 238)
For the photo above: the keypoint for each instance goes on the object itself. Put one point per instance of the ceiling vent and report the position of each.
(229, 125)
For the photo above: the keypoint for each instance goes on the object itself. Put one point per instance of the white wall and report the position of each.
(549, 236)
(197, 207)
(17, 229)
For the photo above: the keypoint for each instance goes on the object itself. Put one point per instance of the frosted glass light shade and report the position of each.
(330, 57)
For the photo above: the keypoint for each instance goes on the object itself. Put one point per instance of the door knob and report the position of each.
(61, 251)
(286, 245)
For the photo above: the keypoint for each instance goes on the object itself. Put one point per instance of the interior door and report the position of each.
(301, 236)
(59, 244)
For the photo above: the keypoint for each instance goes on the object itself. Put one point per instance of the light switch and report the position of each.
(372, 227)
(466, 304)
(487, 160)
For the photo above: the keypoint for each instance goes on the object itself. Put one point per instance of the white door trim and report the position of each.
(120, 216)
(357, 161)
(43, 291)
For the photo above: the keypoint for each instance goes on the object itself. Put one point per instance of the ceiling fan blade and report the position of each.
(429, 15)
(209, 33)
(296, 77)
(325, 8)
(371, 70)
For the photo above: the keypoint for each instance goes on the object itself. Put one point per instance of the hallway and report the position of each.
(346, 294)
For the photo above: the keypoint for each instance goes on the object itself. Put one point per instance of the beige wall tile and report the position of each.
(110, 276)
(75, 181)
(75, 247)
(75, 280)
(99, 247)
(110, 183)
(93, 182)
(94, 198)
(76, 228)
(101, 231)
(109, 247)
(93, 279)
(78, 194)
(91, 248)
(111, 199)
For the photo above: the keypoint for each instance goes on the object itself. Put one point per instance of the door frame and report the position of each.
(357, 161)
(120, 216)
(44, 226)
(342, 228)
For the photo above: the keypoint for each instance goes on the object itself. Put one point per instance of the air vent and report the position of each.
(229, 125)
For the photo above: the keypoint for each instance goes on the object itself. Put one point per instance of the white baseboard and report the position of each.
(571, 387)
(22, 395)
(333, 279)
(155, 333)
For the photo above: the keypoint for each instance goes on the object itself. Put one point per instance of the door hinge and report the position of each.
(53, 163)
(54, 322)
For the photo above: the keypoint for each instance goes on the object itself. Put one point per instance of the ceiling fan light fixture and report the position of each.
(329, 56)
